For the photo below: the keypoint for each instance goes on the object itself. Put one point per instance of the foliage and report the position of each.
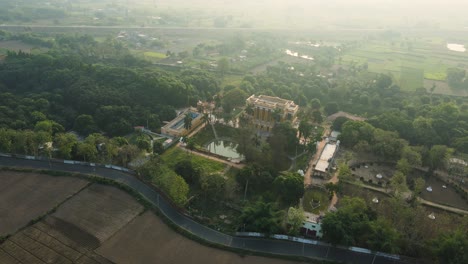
(295, 219)
(260, 217)
(290, 187)
(349, 223)
(167, 180)
(212, 185)
(451, 248)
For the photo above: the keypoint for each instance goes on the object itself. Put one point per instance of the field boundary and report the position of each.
(200, 233)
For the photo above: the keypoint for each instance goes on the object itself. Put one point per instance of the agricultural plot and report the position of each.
(99, 211)
(148, 240)
(77, 228)
(410, 63)
(25, 196)
(44, 243)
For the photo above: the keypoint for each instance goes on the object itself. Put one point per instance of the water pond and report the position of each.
(224, 148)
(456, 47)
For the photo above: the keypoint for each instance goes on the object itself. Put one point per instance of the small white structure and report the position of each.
(375, 200)
(379, 176)
(431, 216)
(429, 189)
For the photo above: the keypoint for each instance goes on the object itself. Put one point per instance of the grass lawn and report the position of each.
(154, 55)
(315, 200)
(206, 134)
(174, 155)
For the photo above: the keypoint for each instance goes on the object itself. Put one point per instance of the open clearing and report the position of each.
(148, 240)
(25, 196)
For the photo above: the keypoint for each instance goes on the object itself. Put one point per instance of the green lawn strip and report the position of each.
(175, 155)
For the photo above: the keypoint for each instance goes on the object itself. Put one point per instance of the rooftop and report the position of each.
(271, 101)
(327, 154)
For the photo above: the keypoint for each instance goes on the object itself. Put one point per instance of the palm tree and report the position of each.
(206, 118)
(188, 121)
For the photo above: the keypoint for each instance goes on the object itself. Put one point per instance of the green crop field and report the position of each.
(410, 62)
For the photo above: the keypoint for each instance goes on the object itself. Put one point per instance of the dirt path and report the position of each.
(308, 174)
(334, 199)
(444, 207)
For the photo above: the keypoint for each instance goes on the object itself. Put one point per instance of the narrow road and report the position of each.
(316, 251)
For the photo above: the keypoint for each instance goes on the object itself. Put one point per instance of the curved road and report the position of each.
(317, 251)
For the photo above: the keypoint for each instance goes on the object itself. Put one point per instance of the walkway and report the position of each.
(316, 251)
(207, 156)
(421, 200)
(315, 158)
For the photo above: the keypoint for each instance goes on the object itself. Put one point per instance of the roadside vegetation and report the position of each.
(80, 98)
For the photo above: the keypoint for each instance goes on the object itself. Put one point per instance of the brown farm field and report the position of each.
(99, 224)
(25, 196)
(148, 240)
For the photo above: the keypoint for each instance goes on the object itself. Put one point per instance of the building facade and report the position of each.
(176, 128)
(267, 110)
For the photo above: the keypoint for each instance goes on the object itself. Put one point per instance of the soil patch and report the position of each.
(25, 196)
(148, 240)
(99, 210)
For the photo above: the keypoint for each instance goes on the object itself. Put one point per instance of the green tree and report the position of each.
(398, 182)
(438, 157)
(451, 248)
(49, 126)
(188, 122)
(419, 184)
(178, 190)
(85, 125)
(331, 108)
(87, 151)
(290, 187)
(350, 224)
(315, 104)
(223, 66)
(233, 98)
(187, 170)
(260, 217)
(383, 237)
(295, 219)
(305, 129)
(338, 123)
(212, 185)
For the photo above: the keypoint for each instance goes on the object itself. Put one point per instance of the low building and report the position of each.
(176, 127)
(312, 227)
(325, 162)
(267, 110)
(334, 136)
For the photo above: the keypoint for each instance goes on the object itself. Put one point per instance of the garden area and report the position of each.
(315, 200)
(431, 188)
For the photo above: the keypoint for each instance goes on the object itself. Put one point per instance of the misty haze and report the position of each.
(228, 132)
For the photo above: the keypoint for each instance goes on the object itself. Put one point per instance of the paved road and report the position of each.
(321, 250)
